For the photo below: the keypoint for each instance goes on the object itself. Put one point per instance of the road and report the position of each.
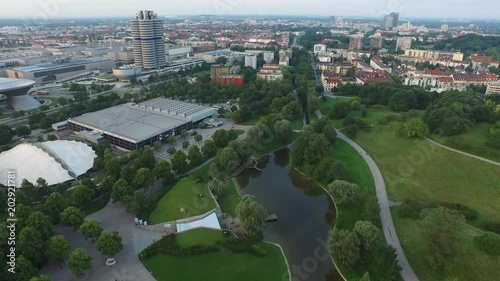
(463, 153)
(385, 213)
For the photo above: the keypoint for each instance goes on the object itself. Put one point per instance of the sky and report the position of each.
(442, 9)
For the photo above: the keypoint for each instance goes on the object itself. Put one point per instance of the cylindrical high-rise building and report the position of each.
(149, 45)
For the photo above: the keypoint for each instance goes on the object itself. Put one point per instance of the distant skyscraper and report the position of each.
(149, 44)
(356, 42)
(403, 43)
(376, 42)
(391, 20)
(269, 57)
(251, 61)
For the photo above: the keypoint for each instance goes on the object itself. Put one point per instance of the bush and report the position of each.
(259, 251)
(351, 131)
(239, 246)
(469, 213)
(168, 246)
(410, 209)
(488, 243)
(493, 227)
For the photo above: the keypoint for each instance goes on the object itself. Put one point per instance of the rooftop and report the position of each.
(9, 84)
(49, 66)
(137, 122)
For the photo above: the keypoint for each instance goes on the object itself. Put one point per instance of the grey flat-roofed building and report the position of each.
(132, 126)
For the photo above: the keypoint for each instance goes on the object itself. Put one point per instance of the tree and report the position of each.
(368, 236)
(58, 249)
(345, 193)
(82, 195)
(252, 216)
(31, 245)
(386, 265)
(185, 144)
(443, 234)
(171, 150)
(228, 160)
(25, 270)
(109, 243)
(184, 134)
(54, 205)
(140, 205)
(23, 131)
(112, 167)
(157, 145)
(144, 178)
(41, 278)
(351, 131)
(198, 138)
(340, 110)
(79, 262)
(90, 228)
(42, 224)
(221, 138)
(372, 209)
(255, 136)
(416, 128)
(171, 140)
(72, 216)
(163, 170)
(179, 162)
(344, 246)
(218, 187)
(213, 171)
(329, 170)
(209, 149)
(317, 147)
(120, 189)
(146, 159)
(127, 174)
(5, 134)
(194, 156)
(283, 130)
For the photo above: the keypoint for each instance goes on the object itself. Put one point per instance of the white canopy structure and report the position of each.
(55, 161)
(209, 221)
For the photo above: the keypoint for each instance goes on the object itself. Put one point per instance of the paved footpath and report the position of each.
(385, 213)
(463, 153)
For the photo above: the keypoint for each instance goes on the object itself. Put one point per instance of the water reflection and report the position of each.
(305, 212)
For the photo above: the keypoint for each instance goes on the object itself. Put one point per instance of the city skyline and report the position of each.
(446, 9)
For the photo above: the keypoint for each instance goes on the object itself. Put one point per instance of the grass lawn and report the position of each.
(472, 264)
(472, 142)
(184, 195)
(230, 200)
(220, 266)
(250, 122)
(413, 168)
(297, 124)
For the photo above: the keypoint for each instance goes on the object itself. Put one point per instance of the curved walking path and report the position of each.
(385, 213)
(461, 152)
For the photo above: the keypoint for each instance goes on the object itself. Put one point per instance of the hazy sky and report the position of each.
(42, 9)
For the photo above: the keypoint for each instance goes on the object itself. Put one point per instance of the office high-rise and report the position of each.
(149, 44)
(391, 20)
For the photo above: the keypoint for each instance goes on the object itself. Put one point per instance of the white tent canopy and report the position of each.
(209, 221)
(55, 161)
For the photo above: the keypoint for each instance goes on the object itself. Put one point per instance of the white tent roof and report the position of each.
(56, 162)
(209, 221)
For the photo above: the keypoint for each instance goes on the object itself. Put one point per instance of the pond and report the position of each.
(305, 215)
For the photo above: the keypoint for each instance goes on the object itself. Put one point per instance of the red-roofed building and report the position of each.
(480, 61)
(377, 76)
(231, 79)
